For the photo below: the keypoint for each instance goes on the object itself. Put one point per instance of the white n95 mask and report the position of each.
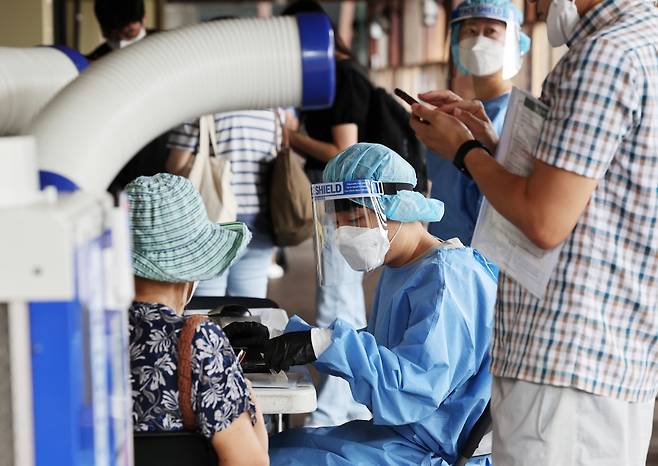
(481, 56)
(364, 249)
(123, 43)
(561, 21)
(194, 287)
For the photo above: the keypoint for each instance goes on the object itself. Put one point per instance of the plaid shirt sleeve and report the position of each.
(592, 109)
(185, 136)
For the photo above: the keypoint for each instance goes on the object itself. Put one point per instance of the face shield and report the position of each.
(350, 226)
(476, 51)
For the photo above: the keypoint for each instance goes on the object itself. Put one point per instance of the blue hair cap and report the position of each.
(379, 163)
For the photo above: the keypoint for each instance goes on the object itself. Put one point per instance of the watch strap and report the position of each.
(464, 149)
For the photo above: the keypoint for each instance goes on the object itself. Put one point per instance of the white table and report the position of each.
(298, 398)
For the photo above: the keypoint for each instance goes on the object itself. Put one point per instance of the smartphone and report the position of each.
(404, 96)
(408, 99)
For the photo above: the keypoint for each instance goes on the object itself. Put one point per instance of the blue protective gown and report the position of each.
(460, 194)
(421, 367)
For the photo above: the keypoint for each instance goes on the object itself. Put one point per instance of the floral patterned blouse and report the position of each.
(219, 391)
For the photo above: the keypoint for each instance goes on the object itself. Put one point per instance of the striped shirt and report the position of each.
(247, 137)
(596, 329)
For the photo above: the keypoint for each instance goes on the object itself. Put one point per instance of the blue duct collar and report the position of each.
(79, 60)
(316, 38)
(63, 184)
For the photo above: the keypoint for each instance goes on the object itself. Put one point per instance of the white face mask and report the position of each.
(481, 56)
(561, 21)
(189, 298)
(125, 43)
(364, 249)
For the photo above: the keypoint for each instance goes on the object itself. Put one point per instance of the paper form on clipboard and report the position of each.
(497, 238)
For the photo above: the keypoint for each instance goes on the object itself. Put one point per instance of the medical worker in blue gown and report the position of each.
(487, 44)
(421, 364)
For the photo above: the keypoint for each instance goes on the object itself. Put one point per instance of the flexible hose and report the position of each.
(29, 78)
(94, 126)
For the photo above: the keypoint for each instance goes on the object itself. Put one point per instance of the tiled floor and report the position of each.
(295, 292)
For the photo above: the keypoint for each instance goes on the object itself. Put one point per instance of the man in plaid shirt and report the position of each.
(576, 372)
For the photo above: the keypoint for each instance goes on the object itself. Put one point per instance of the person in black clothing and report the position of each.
(122, 24)
(331, 130)
(328, 132)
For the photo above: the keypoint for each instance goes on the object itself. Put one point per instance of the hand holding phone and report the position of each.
(408, 99)
(404, 96)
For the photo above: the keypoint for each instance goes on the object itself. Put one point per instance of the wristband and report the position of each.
(464, 149)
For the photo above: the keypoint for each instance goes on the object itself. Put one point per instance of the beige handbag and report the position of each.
(211, 175)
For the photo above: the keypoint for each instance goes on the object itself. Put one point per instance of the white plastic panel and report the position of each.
(21, 381)
(19, 183)
(38, 245)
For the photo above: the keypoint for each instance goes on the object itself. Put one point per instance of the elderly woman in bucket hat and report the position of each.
(175, 246)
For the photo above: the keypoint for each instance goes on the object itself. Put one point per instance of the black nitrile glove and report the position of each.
(247, 334)
(289, 349)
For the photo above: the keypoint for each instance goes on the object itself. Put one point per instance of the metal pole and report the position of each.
(77, 19)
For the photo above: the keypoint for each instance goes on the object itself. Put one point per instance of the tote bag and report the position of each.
(290, 194)
(211, 175)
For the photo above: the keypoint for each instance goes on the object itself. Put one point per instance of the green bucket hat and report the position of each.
(173, 239)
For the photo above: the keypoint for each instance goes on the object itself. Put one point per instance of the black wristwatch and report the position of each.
(464, 149)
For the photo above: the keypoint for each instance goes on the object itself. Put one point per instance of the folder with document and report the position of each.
(497, 238)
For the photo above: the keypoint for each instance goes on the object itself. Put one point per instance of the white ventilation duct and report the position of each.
(94, 126)
(29, 78)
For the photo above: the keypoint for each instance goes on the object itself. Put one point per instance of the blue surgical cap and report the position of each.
(501, 10)
(379, 163)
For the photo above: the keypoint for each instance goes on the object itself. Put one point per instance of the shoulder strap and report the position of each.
(203, 151)
(212, 133)
(207, 137)
(280, 125)
(185, 370)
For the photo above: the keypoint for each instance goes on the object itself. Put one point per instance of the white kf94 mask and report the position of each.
(481, 56)
(561, 21)
(364, 249)
(123, 43)
(189, 298)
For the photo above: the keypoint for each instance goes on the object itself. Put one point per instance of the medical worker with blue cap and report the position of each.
(487, 44)
(421, 364)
